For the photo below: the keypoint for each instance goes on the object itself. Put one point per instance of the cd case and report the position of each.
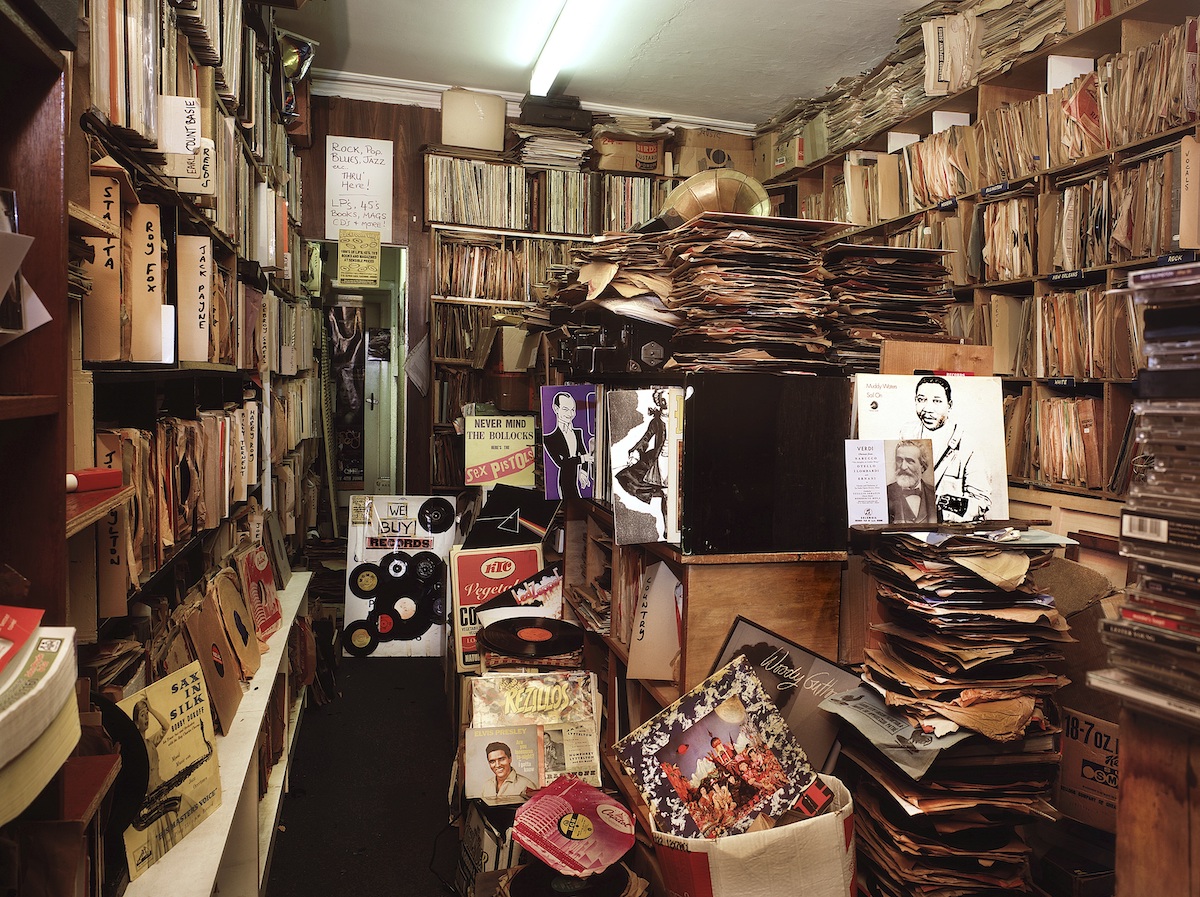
(719, 758)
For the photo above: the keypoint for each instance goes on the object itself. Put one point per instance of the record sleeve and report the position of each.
(574, 827)
(720, 757)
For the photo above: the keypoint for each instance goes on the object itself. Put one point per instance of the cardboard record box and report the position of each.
(473, 119)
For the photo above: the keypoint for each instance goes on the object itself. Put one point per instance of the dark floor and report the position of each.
(367, 801)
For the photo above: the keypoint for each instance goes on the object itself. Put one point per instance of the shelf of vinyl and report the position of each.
(18, 407)
(86, 508)
(1025, 73)
(219, 849)
(271, 804)
(500, 232)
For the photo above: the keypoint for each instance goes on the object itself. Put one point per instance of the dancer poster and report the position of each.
(645, 428)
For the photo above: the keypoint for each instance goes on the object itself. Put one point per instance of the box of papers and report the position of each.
(763, 150)
(643, 155)
(1087, 784)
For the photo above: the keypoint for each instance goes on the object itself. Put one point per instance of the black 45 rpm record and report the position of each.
(536, 879)
(531, 637)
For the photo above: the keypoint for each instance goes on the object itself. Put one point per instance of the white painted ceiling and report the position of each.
(728, 61)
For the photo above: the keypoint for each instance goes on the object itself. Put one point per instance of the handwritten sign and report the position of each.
(358, 186)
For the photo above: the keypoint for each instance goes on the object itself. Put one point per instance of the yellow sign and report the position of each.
(358, 258)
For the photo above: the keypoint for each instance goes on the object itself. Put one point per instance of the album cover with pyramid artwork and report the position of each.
(719, 758)
(511, 515)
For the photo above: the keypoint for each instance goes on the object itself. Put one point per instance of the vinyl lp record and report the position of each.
(574, 827)
(436, 515)
(531, 637)
(538, 880)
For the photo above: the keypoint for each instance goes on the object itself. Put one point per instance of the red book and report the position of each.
(92, 479)
(17, 625)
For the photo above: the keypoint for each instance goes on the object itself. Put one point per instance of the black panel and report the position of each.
(764, 463)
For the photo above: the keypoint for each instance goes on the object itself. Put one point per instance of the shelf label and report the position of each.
(1066, 276)
(1181, 257)
(358, 186)
(1062, 382)
(995, 189)
(947, 205)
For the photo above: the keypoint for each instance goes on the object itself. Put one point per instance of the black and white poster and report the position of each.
(963, 419)
(645, 429)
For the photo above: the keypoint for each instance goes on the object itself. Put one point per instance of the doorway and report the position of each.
(367, 325)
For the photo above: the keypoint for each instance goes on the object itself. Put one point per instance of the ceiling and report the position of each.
(732, 63)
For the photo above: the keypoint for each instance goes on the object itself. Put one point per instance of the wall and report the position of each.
(409, 128)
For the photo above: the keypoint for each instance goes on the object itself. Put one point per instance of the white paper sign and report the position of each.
(358, 186)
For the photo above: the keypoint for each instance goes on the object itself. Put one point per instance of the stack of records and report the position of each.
(1154, 647)
(751, 291)
(544, 147)
(884, 292)
(953, 722)
(532, 644)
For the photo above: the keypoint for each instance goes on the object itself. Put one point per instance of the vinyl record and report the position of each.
(426, 565)
(395, 565)
(536, 879)
(364, 580)
(436, 515)
(531, 637)
(410, 617)
(574, 827)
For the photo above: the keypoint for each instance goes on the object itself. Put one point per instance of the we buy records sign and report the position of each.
(500, 449)
(477, 574)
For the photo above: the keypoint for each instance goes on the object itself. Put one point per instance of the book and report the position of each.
(24, 776)
(565, 703)
(17, 624)
(721, 757)
(36, 692)
(503, 764)
(183, 785)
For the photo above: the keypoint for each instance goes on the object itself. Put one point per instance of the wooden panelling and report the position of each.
(409, 128)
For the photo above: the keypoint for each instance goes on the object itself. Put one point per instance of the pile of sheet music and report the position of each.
(882, 292)
(545, 147)
(751, 291)
(952, 722)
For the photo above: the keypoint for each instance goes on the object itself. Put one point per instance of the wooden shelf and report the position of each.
(86, 508)
(17, 407)
(86, 223)
(191, 869)
(85, 782)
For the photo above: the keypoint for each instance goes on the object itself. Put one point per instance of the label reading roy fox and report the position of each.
(189, 692)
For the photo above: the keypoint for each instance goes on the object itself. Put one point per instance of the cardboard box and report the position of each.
(818, 852)
(699, 149)
(473, 119)
(1089, 778)
(518, 349)
(763, 149)
(639, 156)
(487, 845)
(789, 155)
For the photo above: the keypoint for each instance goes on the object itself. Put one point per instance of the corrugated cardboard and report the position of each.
(143, 279)
(640, 156)
(1189, 193)
(1087, 782)
(699, 149)
(789, 155)
(474, 119)
(764, 156)
(814, 858)
(102, 308)
(193, 296)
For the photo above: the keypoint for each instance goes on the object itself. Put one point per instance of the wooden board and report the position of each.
(797, 600)
(1158, 809)
(904, 357)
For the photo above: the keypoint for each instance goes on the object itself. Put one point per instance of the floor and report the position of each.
(367, 811)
